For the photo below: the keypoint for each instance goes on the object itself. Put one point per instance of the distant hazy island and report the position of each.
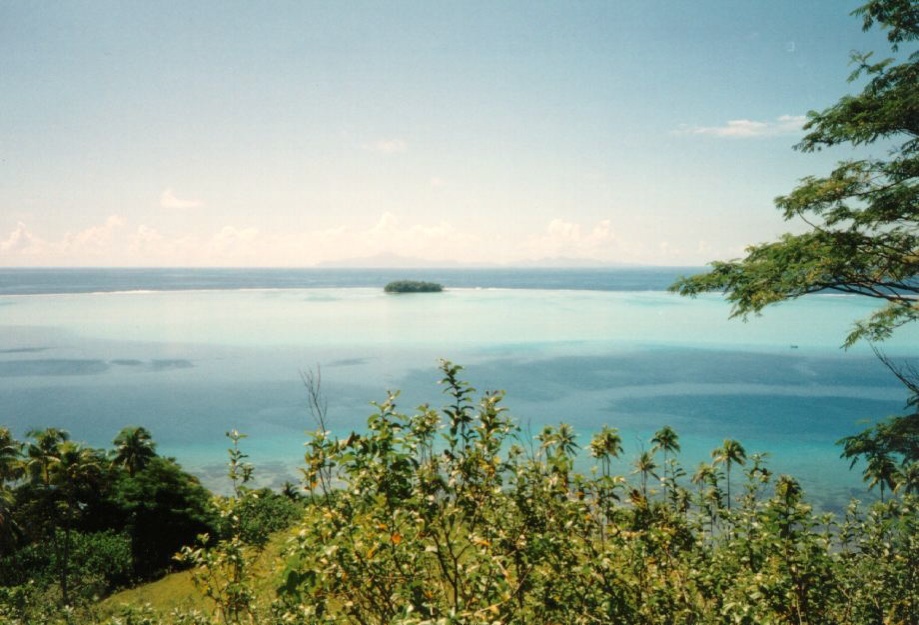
(413, 286)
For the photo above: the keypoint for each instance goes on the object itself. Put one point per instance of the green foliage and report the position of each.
(100, 562)
(863, 232)
(163, 508)
(96, 563)
(25, 605)
(74, 525)
(262, 513)
(224, 568)
(449, 516)
(146, 615)
(134, 449)
(890, 447)
(413, 286)
(443, 517)
(863, 215)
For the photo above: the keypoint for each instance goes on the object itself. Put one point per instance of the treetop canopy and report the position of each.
(863, 217)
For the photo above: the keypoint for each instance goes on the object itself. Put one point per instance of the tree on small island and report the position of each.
(413, 286)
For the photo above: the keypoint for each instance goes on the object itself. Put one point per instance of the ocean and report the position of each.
(192, 353)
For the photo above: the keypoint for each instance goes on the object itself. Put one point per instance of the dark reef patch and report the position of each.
(52, 367)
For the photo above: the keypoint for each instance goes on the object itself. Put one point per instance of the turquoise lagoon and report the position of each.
(191, 364)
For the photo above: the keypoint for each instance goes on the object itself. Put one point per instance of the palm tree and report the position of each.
(731, 452)
(788, 490)
(908, 478)
(710, 498)
(6, 509)
(11, 468)
(645, 466)
(705, 474)
(134, 448)
(10, 456)
(880, 471)
(75, 470)
(565, 436)
(667, 441)
(605, 445)
(42, 453)
(66, 471)
(560, 449)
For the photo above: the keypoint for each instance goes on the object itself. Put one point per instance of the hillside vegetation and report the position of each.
(450, 516)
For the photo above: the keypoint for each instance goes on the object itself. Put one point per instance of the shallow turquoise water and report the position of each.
(191, 364)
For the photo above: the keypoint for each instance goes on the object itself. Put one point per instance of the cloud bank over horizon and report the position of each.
(117, 242)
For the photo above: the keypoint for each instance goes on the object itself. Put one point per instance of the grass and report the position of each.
(177, 590)
(173, 591)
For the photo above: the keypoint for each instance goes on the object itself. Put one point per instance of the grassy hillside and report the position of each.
(178, 590)
(172, 591)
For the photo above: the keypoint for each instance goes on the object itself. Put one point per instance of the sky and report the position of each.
(300, 133)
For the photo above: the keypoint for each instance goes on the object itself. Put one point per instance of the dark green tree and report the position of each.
(413, 286)
(11, 466)
(73, 476)
(881, 472)
(134, 448)
(165, 508)
(42, 453)
(893, 441)
(862, 217)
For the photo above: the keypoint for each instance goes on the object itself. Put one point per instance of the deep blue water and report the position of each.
(97, 280)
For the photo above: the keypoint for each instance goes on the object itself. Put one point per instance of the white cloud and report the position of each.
(169, 200)
(21, 242)
(439, 241)
(147, 242)
(227, 246)
(568, 239)
(90, 245)
(387, 224)
(235, 242)
(746, 128)
(93, 238)
(387, 146)
(114, 243)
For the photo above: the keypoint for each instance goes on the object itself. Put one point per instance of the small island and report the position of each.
(413, 286)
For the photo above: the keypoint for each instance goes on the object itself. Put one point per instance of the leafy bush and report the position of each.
(164, 509)
(262, 513)
(97, 563)
(450, 517)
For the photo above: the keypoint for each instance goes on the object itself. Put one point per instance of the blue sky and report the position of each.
(295, 133)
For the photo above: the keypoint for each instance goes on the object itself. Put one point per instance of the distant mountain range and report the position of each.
(389, 260)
